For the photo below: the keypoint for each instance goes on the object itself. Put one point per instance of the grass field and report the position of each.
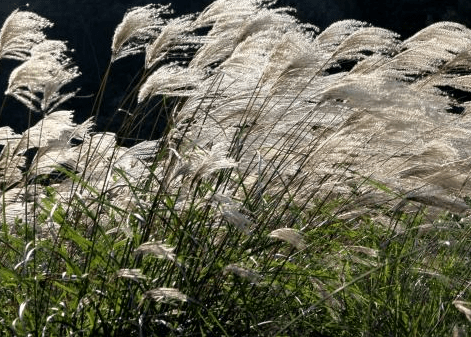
(307, 183)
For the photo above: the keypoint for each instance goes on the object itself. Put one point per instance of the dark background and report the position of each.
(88, 25)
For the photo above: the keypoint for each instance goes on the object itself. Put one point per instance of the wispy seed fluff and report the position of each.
(134, 274)
(245, 273)
(20, 32)
(172, 80)
(139, 26)
(289, 235)
(202, 163)
(174, 36)
(230, 210)
(165, 294)
(159, 249)
(38, 81)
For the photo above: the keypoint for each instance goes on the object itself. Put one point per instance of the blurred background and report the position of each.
(88, 26)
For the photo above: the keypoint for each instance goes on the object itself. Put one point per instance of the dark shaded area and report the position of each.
(405, 17)
(460, 96)
(342, 66)
(88, 26)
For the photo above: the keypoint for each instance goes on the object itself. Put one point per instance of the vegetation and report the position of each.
(311, 184)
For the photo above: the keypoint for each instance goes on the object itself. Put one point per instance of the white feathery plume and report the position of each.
(250, 56)
(10, 166)
(367, 40)
(20, 32)
(174, 36)
(293, 53)
(238, 219)
(54, 148)
(227, 10)
(134, 274)
(427, 51)
(136, 160)
(171, 80)
(331, 37)
(227, 19)
(159, 249)
(205, 162)
(364, 250)
(36, 82)
(452, 37)
(144, 150)
(376, 94)
(7, 134)
(165, 294)
(57, 126)
(228, 32)
(290, 235)
(99, 146)
(51, 136)
(138, 27)
(230, 211)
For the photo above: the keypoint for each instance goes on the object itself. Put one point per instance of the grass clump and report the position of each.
(306, 184)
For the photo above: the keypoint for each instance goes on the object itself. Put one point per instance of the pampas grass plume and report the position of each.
(138, 27)
(159, 249)
(160, 294)
(20, 32)
(289, 235)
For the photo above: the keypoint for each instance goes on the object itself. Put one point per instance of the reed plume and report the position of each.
(284, 93)
(20, 32)
(139, 26)
(37, 82)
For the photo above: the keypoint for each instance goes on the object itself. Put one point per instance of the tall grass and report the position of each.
(307, 184)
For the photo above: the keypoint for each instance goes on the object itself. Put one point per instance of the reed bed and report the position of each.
(307, 183)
